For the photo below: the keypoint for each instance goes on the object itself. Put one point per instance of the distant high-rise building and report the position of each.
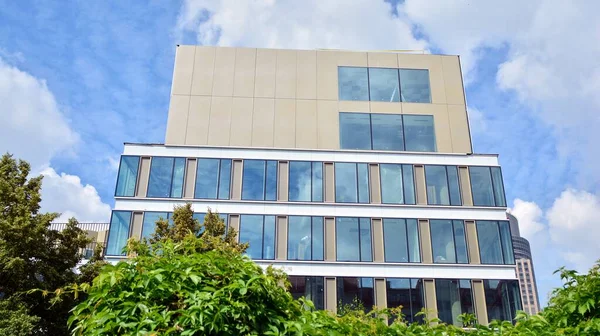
(525, 272)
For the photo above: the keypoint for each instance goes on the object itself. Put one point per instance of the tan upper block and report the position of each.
(177, 120)
(245, 71)
(455, 93)
(241, 121)
(184, 68)
(328, 124)
(263, 120)
(384, 107)
(266, 61)
(306, 74)
(436, 73)
(382, 60)
(352, 58)
(285, 120)
(306, 124)
(285, 75)
(224, 72)
(353, 106)
(443, 137)
(327, 79)
(204, 69)
(198, 121)
(459, 127)
(220, 121)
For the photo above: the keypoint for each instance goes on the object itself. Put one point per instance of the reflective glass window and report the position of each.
(407, 293)
(306, 181)
(414, 85)
(383, 85)
(118, 232)
(502, 299)
(353, 239)
(507, 246)
(259, 232)
(351, 182)
(353, 83)
(127, 179)
(495, 242)
(352, 290)
(259, 181)
(355, 131)
(454, 297)
(309, 287)
(442, 185)
(388, 133)
(305, 238)
(397, 183)
(419, 133)
(213, 178)
(481, 186)
(498, 187)
(149, 222)
(443, 244)
(401, 240)
(166, 177)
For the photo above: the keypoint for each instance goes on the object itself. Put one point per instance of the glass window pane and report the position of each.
(311, 288)
(490, 247)
(347, 239)
(271, 192)
(300, 183)
(407, 293)
(346, 184)
(391, 183)
(317, 238)
(365, 240)
(149, 222)
(453, 185)
(350, 290)
(317, 181)
(128, 170)
(387, 132)
(363, 183)
(395, 240)
(118, 232)
(353, 83)
(253, 180)
(224, 179)
(251, 231)
(355, 131)
(481, 186)
(412, 229)
(409, 184)
(460, 241)
(178, 172)
(507, 246)
(417, 298)
(442, 241)
(207, 172)
(414, 85)
(498, 187)
(437, 185)
(419, 133)
(502, 299)
(161, 173)
(299, 238)
(383, 85)
(466, 297)
(269, 238)
(448, 301)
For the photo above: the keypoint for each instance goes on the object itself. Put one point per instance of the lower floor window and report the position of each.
(454, 297)
(119, 232)
(355, 293)
(407, 293)
(310, 287)
(502, 299)
(259, 232)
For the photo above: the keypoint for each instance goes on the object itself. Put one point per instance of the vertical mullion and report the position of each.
(454, 242)
(399, 85)
(173, 173)
(264, 197)
(218, 178)
(501, 242)
(448, 190)
(357, 184)
(403, 189)
(406, 235)
(410, 299)
(262, 250)
(369, 83)
(311, 191)
(371, 130)
(359, 240)
(403, 132)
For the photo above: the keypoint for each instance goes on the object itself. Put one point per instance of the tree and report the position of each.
(31, 255)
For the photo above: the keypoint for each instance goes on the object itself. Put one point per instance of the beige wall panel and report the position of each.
(425, 238)
(465, 186)
(177, 120)
(430, 298)
(306, 74)
(375, 185)
(282, 180)
(380, 293)
(184, 68)
(472, 242)
(245, 70)
(263, 121)
(480, 304)
(234, 223)
(190, 178)
(220, 121)
(327, 80)
(143, 177)
(236, 183)
(306, 124)
(420, 184)
(285, 75)
(382, 60)
(385, 107)
(329, 177)
(331, 295)
(242, 110)
(204, 68)
(353, 106)
(453, 80)
(281, 233)
(459, 128)
(378, 254)
(443, 136)
(328, 124)
(136, 225)
(264, 83)
(436, 73)
(198, 121)
(330, 254)
(224, 72)
(285, 123)
(352, 58)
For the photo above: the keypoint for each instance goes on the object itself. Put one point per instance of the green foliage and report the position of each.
(15, 319)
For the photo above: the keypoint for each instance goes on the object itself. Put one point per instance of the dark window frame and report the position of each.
(220, 160)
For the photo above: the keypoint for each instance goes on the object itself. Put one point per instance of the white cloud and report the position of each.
(65, 194)
(529, 215)
(477, 120)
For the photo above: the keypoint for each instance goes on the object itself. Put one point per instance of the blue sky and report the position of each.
(77, 79)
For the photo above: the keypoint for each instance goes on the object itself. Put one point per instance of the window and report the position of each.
(393, 132)
(351, 290)
(401, 240)
(351, 182)
(383, 85)
(118, 232)
(454, 297)
(353, 83)
(414, 86)
(149, 222)
(502, 299)
(306, 181)
(495, 242)
(442, 185)
(259, 231)
(305, 238)
(213, 178)
(353, 239)
(128, 170)
(309, 287)
(448, 241)
(259, 180)
(486, 186)
(397, 183)
(166, 177)
(407, 293)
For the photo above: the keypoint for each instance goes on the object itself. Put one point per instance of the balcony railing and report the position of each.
(87, 251)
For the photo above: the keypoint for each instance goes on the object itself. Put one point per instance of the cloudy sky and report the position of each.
(78, 80)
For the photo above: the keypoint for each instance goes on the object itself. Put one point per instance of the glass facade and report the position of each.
(166, 177)
(448, 241)
(127, 179)
(397, 184)
(443, 186)
(487, 187)
(355, 290)
(383, 85)
(454, 297)
(353, 83)
(149, 222)
(351, 182)
(353, 239)
(119, 233)
(495, 242)
(259, 232)
(502, 299)
(305, 238)
(414, 86)
(309, 287)
(213, 179)
(259, 180)
(407, 293)
(305, 181)
(401, 240)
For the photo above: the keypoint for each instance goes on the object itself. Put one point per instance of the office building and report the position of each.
(353, 171)
(96, 232)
